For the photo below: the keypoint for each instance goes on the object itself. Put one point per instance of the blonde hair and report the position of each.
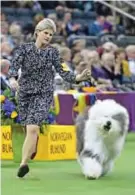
(15, 29)
(110, 46)
(46, 23)
(4, 63)
(64, 51)
(130, 48)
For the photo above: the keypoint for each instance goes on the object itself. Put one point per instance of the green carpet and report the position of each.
(65, 178)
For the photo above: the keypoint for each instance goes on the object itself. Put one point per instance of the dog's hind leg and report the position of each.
(107, 167)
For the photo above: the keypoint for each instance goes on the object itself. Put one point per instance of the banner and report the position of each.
(6, 143)
(57, 143)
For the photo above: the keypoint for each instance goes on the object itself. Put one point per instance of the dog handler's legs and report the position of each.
(29, 147)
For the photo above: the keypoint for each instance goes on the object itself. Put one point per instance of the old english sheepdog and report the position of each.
(101, 132)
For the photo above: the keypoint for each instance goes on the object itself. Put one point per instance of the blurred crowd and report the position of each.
(84, 32)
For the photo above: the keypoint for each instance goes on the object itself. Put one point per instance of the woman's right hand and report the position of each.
(13, 84)
(84, 76)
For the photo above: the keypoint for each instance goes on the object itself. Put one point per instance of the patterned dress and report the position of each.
(36, 84)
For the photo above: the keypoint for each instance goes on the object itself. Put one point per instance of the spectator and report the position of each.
(4, 66)
(3, 17)
(37, 18)
(121, 59)
(16, 36)
(97, 71)
(130, 51)
(52, 16)
(122, 67)
(36, 6)
(77, 46)
(108, 24)
(4, 27)
(109, 47)
(84, 54)
(80, 67)
(61, 28)
(105, 74)
(6, 50)
(108, 65)
(77, 59)
(60, 11)
(59, 24)
(97, 27)
(65, 53)
(70, 27)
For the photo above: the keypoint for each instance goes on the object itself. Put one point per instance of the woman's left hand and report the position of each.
(85, 75)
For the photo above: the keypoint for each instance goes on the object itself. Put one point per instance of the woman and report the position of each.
(122, 63)
(36, 60)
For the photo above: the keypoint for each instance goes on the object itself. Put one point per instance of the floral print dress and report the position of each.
(36, 84)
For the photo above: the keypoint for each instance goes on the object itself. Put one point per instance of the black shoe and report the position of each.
(23, 170)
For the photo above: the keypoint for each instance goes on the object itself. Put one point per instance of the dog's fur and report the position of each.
(99, 143)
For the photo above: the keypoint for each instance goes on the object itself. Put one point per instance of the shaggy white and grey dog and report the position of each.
(101, 132)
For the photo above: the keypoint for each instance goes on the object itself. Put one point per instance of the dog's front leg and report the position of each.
(90, 164)
(91, 154)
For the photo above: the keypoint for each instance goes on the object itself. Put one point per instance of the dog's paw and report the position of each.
(92, 169)
(90, 178)
(93, 174)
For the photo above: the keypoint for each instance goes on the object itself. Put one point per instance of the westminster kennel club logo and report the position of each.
(101, 131)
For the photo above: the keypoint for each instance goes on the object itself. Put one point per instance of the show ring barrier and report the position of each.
(57, 143)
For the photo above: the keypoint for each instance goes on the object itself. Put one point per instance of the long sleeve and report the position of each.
(64, 73)
(17, 61)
